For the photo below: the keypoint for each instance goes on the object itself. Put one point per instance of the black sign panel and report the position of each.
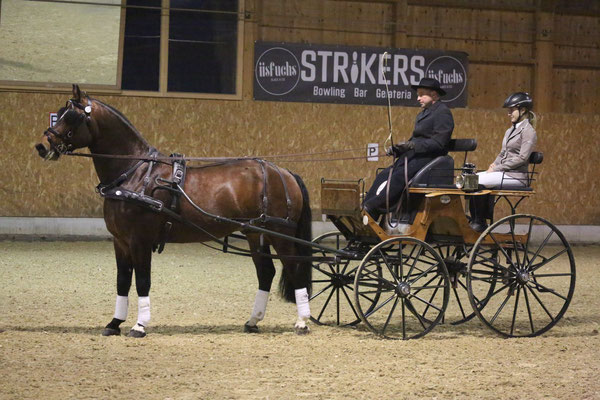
(355, 75)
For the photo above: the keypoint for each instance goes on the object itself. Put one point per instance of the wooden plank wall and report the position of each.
(501, 37)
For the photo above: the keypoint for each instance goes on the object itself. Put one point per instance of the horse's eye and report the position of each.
(70, 134)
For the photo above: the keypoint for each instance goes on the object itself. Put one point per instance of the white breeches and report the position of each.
(501, 180)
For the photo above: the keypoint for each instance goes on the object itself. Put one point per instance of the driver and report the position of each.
(430, 139)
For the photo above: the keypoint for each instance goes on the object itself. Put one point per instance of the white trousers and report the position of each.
(501, 180)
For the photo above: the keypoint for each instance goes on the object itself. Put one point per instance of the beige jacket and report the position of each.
(516, 149)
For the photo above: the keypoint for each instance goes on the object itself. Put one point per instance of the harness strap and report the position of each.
(102, 188)
(285, 189)
(177, 178)
(265, 200)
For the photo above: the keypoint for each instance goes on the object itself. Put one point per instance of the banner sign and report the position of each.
(355, 75)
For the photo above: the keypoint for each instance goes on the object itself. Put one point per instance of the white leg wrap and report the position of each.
(121, 306)
(260, 307)
(302, 303)
(143, 311)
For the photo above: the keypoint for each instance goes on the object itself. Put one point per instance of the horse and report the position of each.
(215, 197)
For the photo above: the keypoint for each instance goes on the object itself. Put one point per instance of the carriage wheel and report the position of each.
(333, 283)
(401, 288)
(456, 258)
(534, 274)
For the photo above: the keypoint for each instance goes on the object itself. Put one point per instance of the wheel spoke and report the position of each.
(425, 285)
(414, 312)
(540, 302)
(475, 297)
(326, 304)
(437, 287)
(329, 274)
(500, 309)
(415, 261)
(426, 302)
(422, 274)
(403, 320)
(460, 306)
(552, 275)
(387, 321)
(547, 260)
(528, 309)
(528, 241)
(512, 234)
(547, 290)
(514, 318)
(541, 247)
(387, 264)
(508, 258)
(381, 305)
(315, 295)
(497, 291)
(349, 302)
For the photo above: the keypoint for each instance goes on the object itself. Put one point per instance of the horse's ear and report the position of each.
(76, 92)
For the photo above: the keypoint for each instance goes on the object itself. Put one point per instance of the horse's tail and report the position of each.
(303, 268)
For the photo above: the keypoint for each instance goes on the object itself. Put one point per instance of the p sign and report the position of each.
(373, 152)
(53, 118)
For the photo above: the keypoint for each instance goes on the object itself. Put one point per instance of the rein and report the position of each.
(168, 159)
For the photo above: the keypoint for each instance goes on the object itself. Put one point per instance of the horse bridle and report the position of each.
(62, 148)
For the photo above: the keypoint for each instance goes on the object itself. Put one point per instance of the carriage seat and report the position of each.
(535, 158)
(439, 172)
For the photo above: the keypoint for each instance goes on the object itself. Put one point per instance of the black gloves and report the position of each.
(400, 148)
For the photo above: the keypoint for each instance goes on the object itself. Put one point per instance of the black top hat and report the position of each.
(430, 83)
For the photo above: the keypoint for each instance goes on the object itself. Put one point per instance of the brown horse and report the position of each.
(216, 199)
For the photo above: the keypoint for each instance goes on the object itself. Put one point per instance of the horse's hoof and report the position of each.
(305, 330)
(111, 332)
(250, 328)
(136, 334)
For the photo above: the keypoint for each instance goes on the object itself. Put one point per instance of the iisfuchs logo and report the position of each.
(277, 71)
(451, 74)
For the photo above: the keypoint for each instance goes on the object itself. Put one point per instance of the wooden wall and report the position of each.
(501, 37)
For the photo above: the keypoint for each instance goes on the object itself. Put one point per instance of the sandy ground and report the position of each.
(59, 42)
(57, 296)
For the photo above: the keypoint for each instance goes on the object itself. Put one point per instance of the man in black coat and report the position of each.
(430, 139)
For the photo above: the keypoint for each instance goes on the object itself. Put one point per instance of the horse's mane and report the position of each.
(122, 117)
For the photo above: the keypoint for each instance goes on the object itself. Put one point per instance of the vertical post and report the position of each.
(544, 55)
(400, 11)
(164, 47)
(249, 14)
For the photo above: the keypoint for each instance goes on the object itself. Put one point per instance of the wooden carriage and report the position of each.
(398, 275)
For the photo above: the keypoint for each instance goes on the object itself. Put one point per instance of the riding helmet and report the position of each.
(519, 99)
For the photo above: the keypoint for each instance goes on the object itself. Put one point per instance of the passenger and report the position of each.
(430, 139)
(509, 170)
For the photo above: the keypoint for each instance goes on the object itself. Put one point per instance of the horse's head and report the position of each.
(71, 131)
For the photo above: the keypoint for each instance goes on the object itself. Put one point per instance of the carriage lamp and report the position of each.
(468, 180)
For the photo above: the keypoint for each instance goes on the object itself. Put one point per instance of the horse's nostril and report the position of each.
(41, 150)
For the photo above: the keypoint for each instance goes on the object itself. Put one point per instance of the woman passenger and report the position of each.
(510, 168)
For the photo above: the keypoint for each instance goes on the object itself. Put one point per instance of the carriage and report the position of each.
(423, 267)
(404, 276)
